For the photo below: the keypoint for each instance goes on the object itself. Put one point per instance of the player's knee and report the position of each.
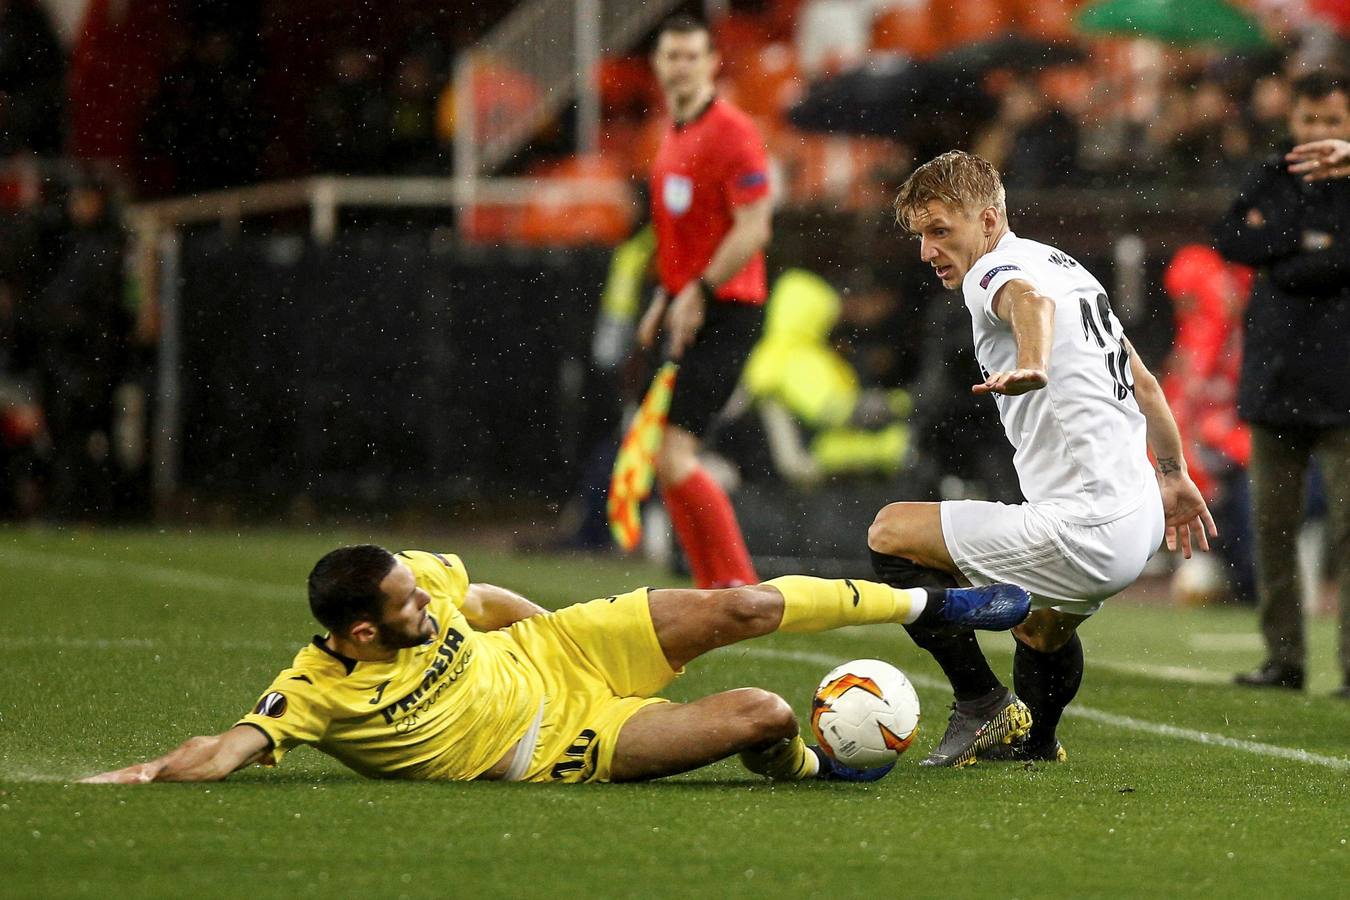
(883, 535)
(751, 610)
(1030, 639)
(1042, 634)
(767, 716)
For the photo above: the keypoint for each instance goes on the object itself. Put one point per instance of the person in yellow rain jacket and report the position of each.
(795, 372)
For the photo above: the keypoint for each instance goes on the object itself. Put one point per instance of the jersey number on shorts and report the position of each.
(575, 757)
(1117, 354)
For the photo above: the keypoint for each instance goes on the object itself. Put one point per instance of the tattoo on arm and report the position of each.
(1168, 464)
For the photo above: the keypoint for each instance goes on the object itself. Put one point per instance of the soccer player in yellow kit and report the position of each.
(424, 675)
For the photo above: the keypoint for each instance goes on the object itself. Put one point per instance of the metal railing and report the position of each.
(325, 196)
(157, 241)
(540, 58)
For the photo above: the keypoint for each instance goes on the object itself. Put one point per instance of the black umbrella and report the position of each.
(894, 98)
(1013, 51)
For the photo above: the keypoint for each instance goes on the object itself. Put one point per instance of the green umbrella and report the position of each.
(1181, 22)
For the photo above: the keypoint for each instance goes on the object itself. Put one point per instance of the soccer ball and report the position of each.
(865, 713)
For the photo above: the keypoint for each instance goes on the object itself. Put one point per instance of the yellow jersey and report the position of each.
(447, 709)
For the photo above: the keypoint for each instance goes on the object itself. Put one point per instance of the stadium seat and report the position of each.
(551, 222)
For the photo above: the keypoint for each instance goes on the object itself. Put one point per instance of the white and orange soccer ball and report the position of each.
(865, 714)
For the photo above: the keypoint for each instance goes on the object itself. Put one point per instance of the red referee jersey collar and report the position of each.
(702, 111)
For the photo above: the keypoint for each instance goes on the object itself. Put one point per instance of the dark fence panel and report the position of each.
(391, 369)
(379, 369)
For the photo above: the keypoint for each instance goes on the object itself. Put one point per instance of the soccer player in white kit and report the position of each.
(1082, 413)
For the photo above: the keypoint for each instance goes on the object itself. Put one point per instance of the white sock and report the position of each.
(918, 601)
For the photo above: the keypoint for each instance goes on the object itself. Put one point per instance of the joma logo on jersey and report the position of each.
(439, 666)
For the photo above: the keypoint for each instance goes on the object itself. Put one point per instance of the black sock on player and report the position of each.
(901, 572)
(958, 653)
(961, 659)
(1047, 682)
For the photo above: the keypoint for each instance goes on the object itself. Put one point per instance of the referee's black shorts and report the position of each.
(712, 365)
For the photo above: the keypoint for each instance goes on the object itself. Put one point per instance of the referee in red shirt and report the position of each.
(712, 211)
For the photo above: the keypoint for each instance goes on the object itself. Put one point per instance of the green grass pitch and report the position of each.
(118, 644)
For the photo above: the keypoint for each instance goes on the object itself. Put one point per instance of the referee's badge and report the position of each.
(677, 193)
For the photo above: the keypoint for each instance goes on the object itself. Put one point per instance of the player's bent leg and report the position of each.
(1047, 672)
(909, 550)
(902, 529)
(689, 623)
(1047, 630)
(912, 531)
(669, 738)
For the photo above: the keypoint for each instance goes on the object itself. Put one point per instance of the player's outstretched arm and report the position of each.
(196, 759)
(488, 607)
(1031, 315)
(1320, 159)
(1187, 516)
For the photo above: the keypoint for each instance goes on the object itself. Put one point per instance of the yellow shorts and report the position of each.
(601, 663)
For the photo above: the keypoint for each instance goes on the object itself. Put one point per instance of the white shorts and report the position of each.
(1070, 567)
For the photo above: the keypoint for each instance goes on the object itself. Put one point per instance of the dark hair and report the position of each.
(344, 586)
(1318, 84)
(683, 23)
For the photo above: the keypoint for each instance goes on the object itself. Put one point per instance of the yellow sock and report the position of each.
(786, 760)
(819, 604)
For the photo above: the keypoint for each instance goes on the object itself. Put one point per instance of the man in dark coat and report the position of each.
(84, 324)
(1295, 383)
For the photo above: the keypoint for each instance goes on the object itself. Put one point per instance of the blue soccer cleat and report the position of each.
(832, 770)
(994, 607)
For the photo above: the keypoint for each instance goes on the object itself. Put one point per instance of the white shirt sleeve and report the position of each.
(992, 272)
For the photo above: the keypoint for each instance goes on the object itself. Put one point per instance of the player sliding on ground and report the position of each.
(1081, 412)
(424, 675)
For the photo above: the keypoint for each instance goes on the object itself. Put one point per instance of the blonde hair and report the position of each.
(960, 180)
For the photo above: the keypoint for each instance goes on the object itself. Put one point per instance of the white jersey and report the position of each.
(1079, 443)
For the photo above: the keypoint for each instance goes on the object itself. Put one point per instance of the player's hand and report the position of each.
(1319, 160)
(1186, 516)
(685, 318)
(1018, 381)
(650, 324)
(141, 773)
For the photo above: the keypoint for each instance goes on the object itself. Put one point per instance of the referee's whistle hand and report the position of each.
(685, 319)
(650, 323)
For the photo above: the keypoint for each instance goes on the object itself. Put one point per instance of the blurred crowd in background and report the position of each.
(145, 100)
(184, 96)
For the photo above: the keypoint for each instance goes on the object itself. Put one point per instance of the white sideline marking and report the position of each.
(1226, 641)
(1165, 673)
(264, 591)
(1130, 723)
(189, 580)
(1127, 723)
(130, 643)
(1185, 674)
(223, 584)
